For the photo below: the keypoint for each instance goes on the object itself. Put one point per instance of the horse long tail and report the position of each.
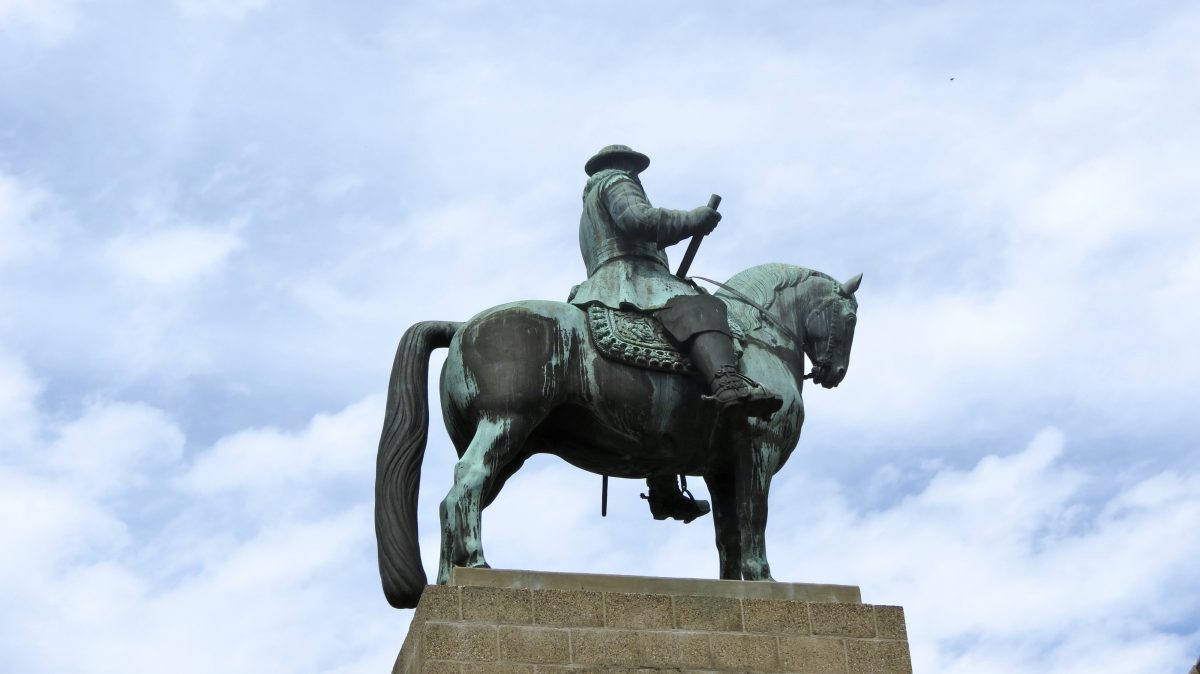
(398, 465)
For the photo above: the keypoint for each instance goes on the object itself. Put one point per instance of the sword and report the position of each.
(713, 202)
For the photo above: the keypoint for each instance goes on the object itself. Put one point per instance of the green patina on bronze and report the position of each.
(527, 377)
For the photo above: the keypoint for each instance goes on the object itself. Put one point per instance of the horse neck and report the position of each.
(791, 307)
(776, 313)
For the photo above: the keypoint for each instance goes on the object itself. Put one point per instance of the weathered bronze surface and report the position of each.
(531, 377)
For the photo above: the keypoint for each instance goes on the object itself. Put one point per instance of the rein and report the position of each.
(737, 294)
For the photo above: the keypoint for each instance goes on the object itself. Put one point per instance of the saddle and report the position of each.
(638, 339)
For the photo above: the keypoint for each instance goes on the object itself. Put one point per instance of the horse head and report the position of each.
(803, 307)
(828, 328)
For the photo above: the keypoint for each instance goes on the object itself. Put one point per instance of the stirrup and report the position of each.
(678, 504)
(734, 390)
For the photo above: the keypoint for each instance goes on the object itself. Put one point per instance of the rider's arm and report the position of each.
(634, 216)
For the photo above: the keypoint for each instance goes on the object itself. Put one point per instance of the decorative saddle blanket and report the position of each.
(638, 339)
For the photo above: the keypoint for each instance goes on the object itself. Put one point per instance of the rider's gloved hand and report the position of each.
(704, 220)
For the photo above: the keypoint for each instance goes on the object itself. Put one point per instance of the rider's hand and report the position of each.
(705, 220)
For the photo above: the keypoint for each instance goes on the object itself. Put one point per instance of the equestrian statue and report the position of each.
(640, 374)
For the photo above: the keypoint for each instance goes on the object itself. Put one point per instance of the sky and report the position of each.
(217, 217)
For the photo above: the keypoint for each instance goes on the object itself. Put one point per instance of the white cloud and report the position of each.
(173, 255)
(233, 10)
(49, 21)
(18, 410)
(338, 187)
(25, 218)
(115, 447)
(341, 444)
(1009, 564)
(110, 548)
(52, 525)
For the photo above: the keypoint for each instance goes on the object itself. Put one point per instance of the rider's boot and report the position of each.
(712, 352)
(667, 500)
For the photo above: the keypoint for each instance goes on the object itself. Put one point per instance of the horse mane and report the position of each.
(763, 283)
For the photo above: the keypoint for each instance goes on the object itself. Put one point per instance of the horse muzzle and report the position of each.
(826, 376)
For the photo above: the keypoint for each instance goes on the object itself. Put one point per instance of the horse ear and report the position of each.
(850, 287)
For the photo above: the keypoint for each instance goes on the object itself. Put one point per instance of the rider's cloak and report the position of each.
(622, 237)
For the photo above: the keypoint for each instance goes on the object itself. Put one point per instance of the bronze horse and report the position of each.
(525, 378)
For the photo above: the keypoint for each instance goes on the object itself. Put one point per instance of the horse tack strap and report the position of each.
(737, 294)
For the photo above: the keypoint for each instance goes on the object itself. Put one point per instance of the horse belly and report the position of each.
(633, 422)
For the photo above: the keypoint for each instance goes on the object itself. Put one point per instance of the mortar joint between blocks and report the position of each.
(571, 646)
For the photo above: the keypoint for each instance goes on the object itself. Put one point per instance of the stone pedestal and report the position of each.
(523, 622)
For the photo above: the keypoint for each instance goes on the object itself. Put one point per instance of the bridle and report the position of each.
(821, 362)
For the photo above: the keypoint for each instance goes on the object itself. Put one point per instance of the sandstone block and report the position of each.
(637, 611)
(568, 608)
(497, 605)
(674, 649)
(496, 668)
(878, 657)
(441, 667)
(776, 617)
(744, 652)
(718, 614)
(439, 603)
(607, 669)
(889, 622)
(604, 647)
(459, 641)
(812, 655)
(843, 620)
(534, 645)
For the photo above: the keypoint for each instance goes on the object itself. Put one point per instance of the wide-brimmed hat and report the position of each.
(608, 154)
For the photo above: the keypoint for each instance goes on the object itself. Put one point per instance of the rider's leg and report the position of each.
(667, 500)
(700, 324)
(712, 353)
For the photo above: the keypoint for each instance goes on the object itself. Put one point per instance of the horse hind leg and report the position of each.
(496, 442)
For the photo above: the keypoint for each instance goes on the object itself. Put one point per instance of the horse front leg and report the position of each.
(495, 443)
(725, 522)
(756, 464)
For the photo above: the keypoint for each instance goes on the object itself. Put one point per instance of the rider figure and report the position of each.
(622, 237)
